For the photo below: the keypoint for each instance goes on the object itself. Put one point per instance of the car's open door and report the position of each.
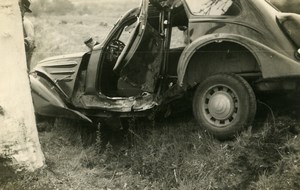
(139, 64)
(136, 69)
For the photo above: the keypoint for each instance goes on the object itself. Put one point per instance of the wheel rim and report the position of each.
(221, 105)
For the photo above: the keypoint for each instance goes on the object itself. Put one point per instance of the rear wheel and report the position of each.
(224, 104)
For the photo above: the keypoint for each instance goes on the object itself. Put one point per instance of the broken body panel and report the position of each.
(136, 72)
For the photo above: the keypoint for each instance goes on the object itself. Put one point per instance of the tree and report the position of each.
(19, 144)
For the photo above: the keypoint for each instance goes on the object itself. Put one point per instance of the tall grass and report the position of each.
(172, 154)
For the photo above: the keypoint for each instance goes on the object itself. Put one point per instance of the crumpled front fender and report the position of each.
(273, 64)
(48, 102)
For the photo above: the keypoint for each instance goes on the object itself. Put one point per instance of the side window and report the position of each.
(213, 7)
(178, 38)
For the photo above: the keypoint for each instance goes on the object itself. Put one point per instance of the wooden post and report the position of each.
(19, 144)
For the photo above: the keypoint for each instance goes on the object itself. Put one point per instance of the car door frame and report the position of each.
(98, 53)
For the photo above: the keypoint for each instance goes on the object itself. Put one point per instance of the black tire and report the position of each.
(224, 104)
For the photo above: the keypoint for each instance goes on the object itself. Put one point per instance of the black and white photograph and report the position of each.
(149, 94)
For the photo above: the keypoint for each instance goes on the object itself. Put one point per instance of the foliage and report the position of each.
(57, 7)
(64, 7)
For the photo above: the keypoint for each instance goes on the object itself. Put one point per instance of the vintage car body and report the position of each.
(232, 49)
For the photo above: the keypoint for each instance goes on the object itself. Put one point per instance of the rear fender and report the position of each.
(273, 64)
(48, 102)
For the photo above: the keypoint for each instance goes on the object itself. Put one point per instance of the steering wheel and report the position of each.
(120, 62)
(114, 50)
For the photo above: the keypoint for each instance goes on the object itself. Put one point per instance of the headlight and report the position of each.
(34, 74)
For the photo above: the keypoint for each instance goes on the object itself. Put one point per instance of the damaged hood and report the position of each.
(57, 59)
(61, 71)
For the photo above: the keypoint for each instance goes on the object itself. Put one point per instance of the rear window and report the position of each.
(213, 7)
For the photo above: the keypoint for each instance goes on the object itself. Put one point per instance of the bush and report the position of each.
(58, 7)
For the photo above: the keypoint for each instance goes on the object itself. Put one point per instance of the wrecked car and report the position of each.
(222, 52)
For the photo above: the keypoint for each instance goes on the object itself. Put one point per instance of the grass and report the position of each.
(170, 154)
(63, 34)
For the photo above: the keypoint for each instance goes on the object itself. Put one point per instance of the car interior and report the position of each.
(140, 73)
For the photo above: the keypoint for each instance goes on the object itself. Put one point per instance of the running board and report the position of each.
(118, 104)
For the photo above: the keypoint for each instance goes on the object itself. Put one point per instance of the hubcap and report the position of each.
(220, 105)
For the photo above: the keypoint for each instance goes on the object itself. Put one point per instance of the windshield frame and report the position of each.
(212, 15)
